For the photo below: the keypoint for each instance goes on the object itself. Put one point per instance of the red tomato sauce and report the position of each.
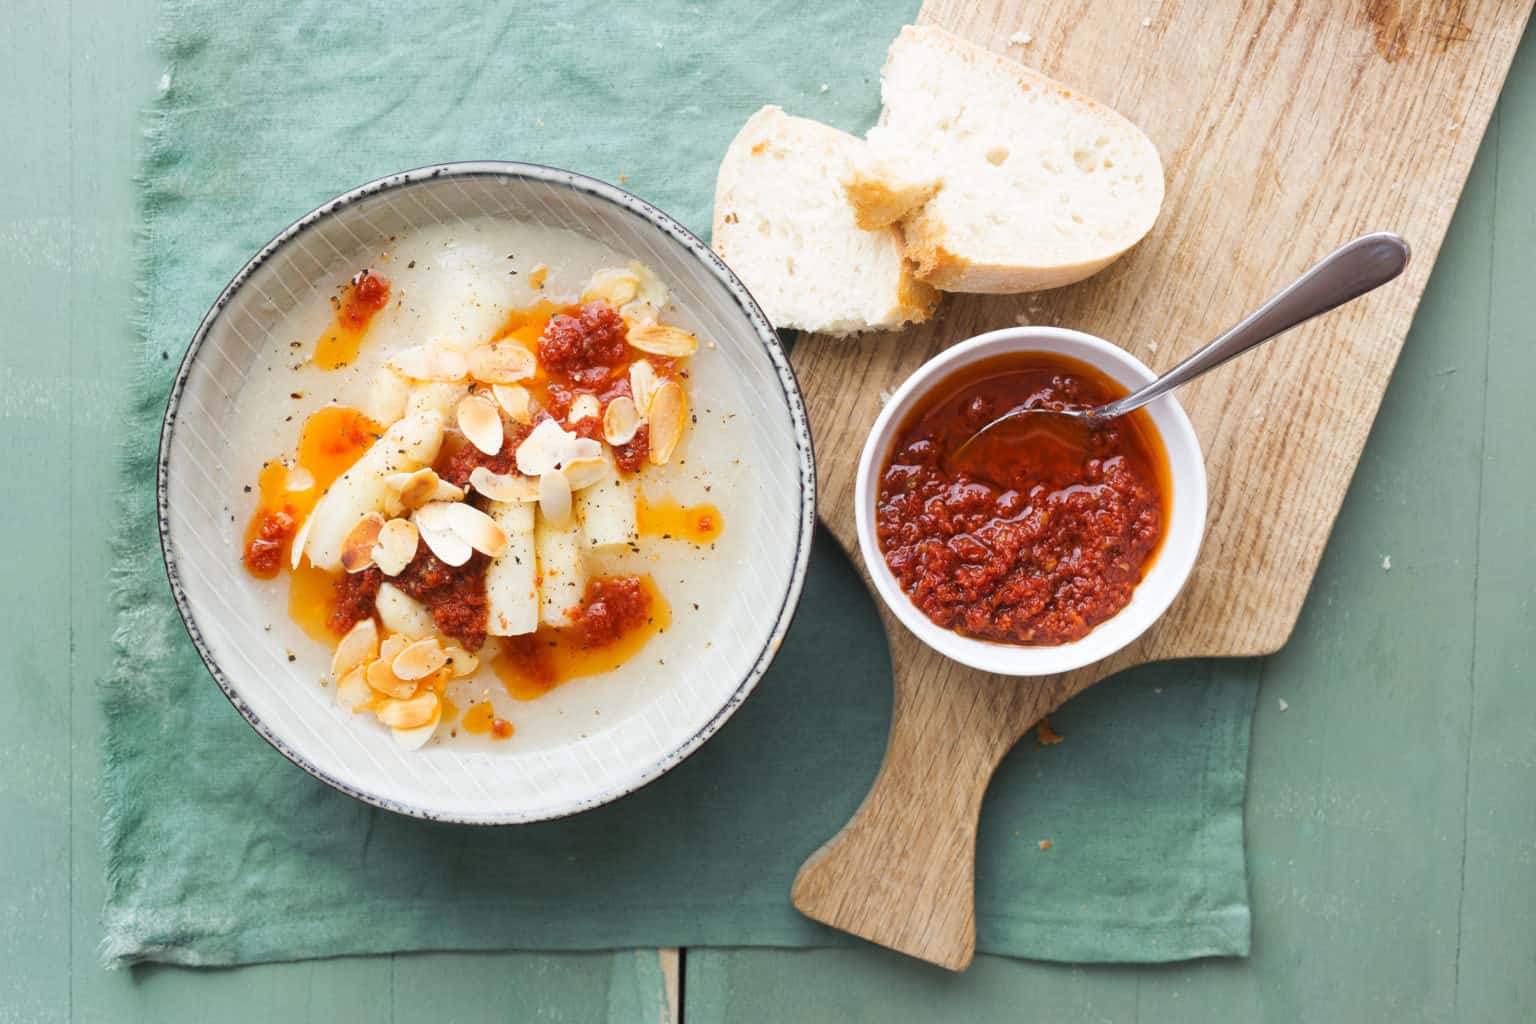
(356, 307)
(1057, 537)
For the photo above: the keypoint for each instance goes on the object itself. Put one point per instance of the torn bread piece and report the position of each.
(784, 225)
(1040, 186)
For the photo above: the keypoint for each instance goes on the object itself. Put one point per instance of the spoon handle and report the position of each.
(1344, 274)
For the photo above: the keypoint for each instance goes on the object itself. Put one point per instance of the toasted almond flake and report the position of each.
(429, 362)
(504, 486)
(661, 340)
(477, 529)
(582, 448)
(383, 679)
(620, 421)
(543, 449)
(555, 499)
(296, 555)
(298, 479)
(433, 516)
(353, 691)
(514, 398)
(646, 307)
(584, 407)
(408, 714)
(643, 383)
(361, 644)
(448, 546)
(419, 659)
(583, 473)
(613, 286)
(357, 548)
(393, 644)
(396, 546)
(668, 410)
(504, 362)
(415, 739)
(460, 661)
(480, 421)
(423, 486)
(537, 276)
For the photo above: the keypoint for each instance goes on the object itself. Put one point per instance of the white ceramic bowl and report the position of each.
(583, 755)
(1170, 570)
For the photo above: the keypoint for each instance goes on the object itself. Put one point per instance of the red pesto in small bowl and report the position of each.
(1063, 528)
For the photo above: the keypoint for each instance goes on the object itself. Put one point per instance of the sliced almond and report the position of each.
(392, 645)
(446, 545)
(419, 659)
(460, 661)
(537, 277)
(480, 421)
(415, 739)
(504, 362)
(298, 479)
(504, 486)
(357, 548)
(543, 449)
(584, 407)
(668, 410)
(661, 340)
(396, 546)
(423, 486)
(296, 554)
(352, 690)
(555, 499)
(613, 286)
(407, 714)
(514, 398)
(643, 383)
(438, 534)
(477, 529)
(360, 645)
(429, 362)
(583, 473)
(620, 421)
(383, 679)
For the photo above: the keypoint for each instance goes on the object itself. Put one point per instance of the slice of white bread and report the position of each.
(784, 226)
(1038, 186)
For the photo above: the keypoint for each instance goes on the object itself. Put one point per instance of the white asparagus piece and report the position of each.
(607, 511)
(387, 396)
(512, 578)
(408, 445)
(403, 614)
(562, 576)
(441, 397)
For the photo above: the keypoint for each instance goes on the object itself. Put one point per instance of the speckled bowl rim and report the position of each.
(657, 219)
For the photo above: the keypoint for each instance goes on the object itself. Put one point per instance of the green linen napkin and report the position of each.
(221, 852)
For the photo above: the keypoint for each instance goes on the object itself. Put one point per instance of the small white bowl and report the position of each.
(1175, 559)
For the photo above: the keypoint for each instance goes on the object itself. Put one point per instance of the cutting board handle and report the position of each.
(901, 873)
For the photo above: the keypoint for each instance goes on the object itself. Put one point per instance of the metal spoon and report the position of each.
(1348, 272)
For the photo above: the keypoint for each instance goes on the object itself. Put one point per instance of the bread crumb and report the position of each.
(1047, 736)
(1146, 22)
(824, 87)
(1021, 38)
(1151, 346)
(1386, 563)
(1281, 701)
(1046, 844)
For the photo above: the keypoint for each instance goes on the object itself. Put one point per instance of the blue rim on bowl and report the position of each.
(655, 218)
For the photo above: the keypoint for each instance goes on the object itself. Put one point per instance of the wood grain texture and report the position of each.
(1285, 129)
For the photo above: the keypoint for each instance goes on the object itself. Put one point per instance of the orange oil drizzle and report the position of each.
(697, 524)
(355, 310)
(531, 666)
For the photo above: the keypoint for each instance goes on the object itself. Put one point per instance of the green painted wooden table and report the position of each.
(1392, 797)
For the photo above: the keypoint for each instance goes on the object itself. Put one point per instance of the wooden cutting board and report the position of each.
(1285, 130)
